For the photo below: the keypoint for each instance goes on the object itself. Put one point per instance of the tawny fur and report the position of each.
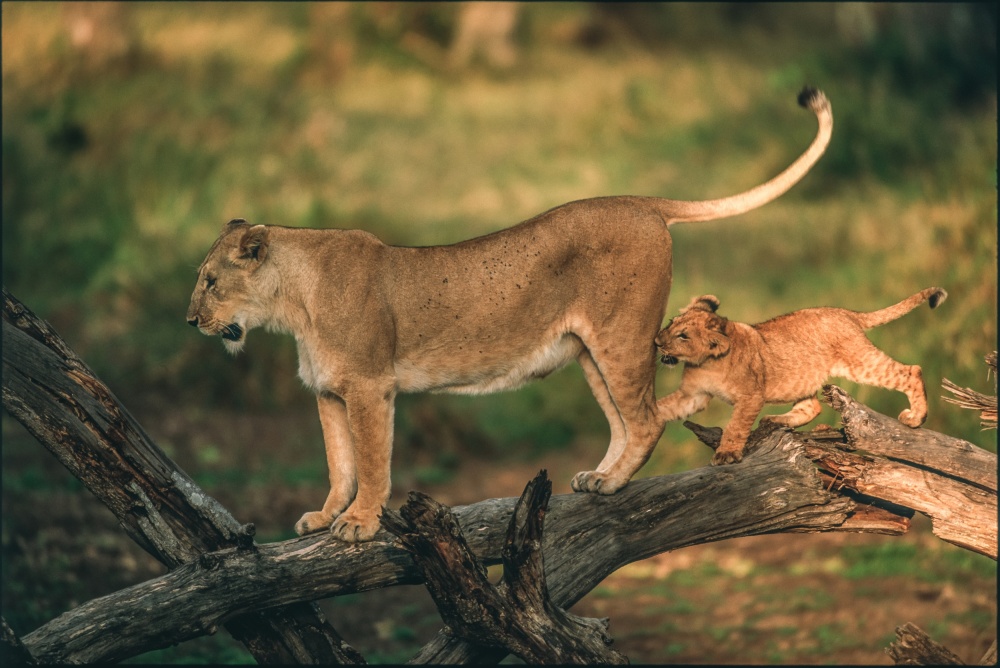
(588, 281)
(784, 360)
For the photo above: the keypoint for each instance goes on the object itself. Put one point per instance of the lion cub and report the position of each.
(783, 360)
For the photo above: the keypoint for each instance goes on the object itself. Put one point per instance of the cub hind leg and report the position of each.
(803, 411)
(871, 366)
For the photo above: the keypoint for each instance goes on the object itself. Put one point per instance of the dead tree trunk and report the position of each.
(788, 481)
(517, 615)
(70, 411)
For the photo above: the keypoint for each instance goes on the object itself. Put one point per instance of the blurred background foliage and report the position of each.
(133, 131)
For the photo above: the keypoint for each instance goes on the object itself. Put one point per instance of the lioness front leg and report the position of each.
(340, 462)
(370, 411)
(734, 436)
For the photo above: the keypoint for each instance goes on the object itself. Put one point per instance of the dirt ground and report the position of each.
(778, 599)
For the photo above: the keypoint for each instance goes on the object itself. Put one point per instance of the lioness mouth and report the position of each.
(669, 360)
(232, 332)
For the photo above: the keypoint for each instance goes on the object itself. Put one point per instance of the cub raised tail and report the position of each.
(935, 296)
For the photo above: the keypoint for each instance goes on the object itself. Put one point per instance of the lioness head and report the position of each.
(694, 336)
(230, 296)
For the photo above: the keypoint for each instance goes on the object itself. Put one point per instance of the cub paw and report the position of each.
(727, 456)
(595, 482)
(354, 527)
(311, 523)
(911, 418)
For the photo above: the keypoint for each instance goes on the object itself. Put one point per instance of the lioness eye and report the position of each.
(209, 282)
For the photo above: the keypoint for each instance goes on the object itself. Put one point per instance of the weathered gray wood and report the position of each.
(990, 657)
(72, 413)
(587, 538)
(516, 615)
(880, 434)
(954, 482)
(913, 647)
(966, 397)
(12, 650)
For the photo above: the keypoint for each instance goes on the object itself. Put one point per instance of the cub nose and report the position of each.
(193, 321)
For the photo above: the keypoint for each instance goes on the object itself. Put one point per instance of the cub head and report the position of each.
(695, 336)
(232, 292)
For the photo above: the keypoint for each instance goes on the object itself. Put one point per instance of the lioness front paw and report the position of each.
(727, 456)
(595, 482)
(312, 522)
(911, 418)
(355, 527)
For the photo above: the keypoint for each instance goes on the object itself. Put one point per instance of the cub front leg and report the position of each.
(734, 436)
(340, 463)
(679, 405)
(370, 410)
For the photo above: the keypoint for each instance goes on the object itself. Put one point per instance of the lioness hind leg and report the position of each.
(874, 367)
(340, 462)
(629, 373)
(802, 412)
(607, 404)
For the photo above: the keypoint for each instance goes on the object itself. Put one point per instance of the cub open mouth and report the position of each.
(232, 332)
(669, 360)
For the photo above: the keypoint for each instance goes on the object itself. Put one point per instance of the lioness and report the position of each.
(784, 360)
(587, 280)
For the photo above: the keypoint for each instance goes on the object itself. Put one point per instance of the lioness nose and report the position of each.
(193, 321)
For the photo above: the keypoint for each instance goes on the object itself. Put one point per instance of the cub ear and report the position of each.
(718, 344)
(252, 248)
(708, 303)
(235, 222)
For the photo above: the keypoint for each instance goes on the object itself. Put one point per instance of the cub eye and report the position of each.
(682, 336)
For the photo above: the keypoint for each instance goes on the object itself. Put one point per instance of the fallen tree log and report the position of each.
(53, 393)
(950, 480)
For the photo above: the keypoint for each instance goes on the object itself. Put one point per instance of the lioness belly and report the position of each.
(481, 377)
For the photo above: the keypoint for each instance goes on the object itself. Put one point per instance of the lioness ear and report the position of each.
(708, 303)
(253, 246)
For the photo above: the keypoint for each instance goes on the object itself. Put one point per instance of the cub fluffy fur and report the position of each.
(783, 360)
(587, 281)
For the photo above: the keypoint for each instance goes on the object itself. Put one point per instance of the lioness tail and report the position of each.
(875, 318)
(675, 211)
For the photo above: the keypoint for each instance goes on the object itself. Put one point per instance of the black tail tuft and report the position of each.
(812, 98)
(937, 297)
(806, 96)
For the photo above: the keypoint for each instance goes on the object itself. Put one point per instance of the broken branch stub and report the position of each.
(515, 616)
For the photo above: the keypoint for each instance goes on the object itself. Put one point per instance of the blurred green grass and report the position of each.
(224, 112)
